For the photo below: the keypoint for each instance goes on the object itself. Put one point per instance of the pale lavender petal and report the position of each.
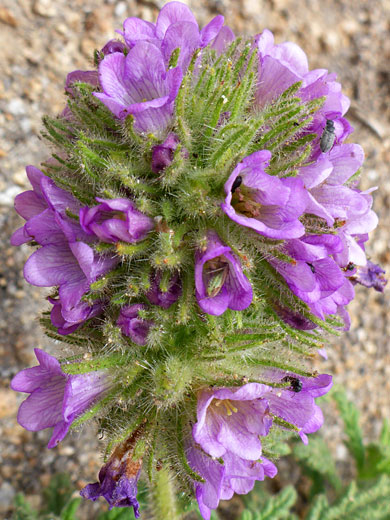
(211, 30)
(136, 29)
(223, 39)
(171, 13)
(346, 160)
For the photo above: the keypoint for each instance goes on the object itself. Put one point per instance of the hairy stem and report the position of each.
(164, 497)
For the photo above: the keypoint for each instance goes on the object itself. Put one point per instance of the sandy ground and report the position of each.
(40, 42)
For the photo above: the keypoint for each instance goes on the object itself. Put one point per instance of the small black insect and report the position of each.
(296, 384)
(313, 269)
(350, 266)
(237, 183)
(328, 137)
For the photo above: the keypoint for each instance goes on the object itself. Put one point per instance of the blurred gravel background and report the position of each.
(40, 42)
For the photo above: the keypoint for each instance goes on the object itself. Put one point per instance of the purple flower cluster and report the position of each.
(226, 448)
(56, 399)
(142, 253)
(141, 84)
(66, 258)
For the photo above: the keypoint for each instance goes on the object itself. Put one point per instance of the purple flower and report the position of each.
(353, 232)
(67, 321)
(118, 479)
(325, 179)
(176, 27)
(115, 220)
(314, 276)
(28, 204)
(221, 481)
(40, 208)
(56, 399)
(132, 325)
(113, 46)
(164, 298)
(370, 275)
(162, 154)
(223, 39)
(72, 266)
(138, 84)
(280, 66)
(82, 76)
(219, 281)
(231, 420)
(267, 204)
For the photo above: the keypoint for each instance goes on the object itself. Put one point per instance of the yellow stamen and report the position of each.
(230, 409)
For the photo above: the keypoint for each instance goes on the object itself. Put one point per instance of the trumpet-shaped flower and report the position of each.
(219, 281)
(139, 84)
(56, 399)
(267, 204)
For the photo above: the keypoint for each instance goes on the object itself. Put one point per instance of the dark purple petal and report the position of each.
(162, 154)
(113, 46)
(67, 321)
(164, 298)
(118, 479)
(132, 325)
(293, 318)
